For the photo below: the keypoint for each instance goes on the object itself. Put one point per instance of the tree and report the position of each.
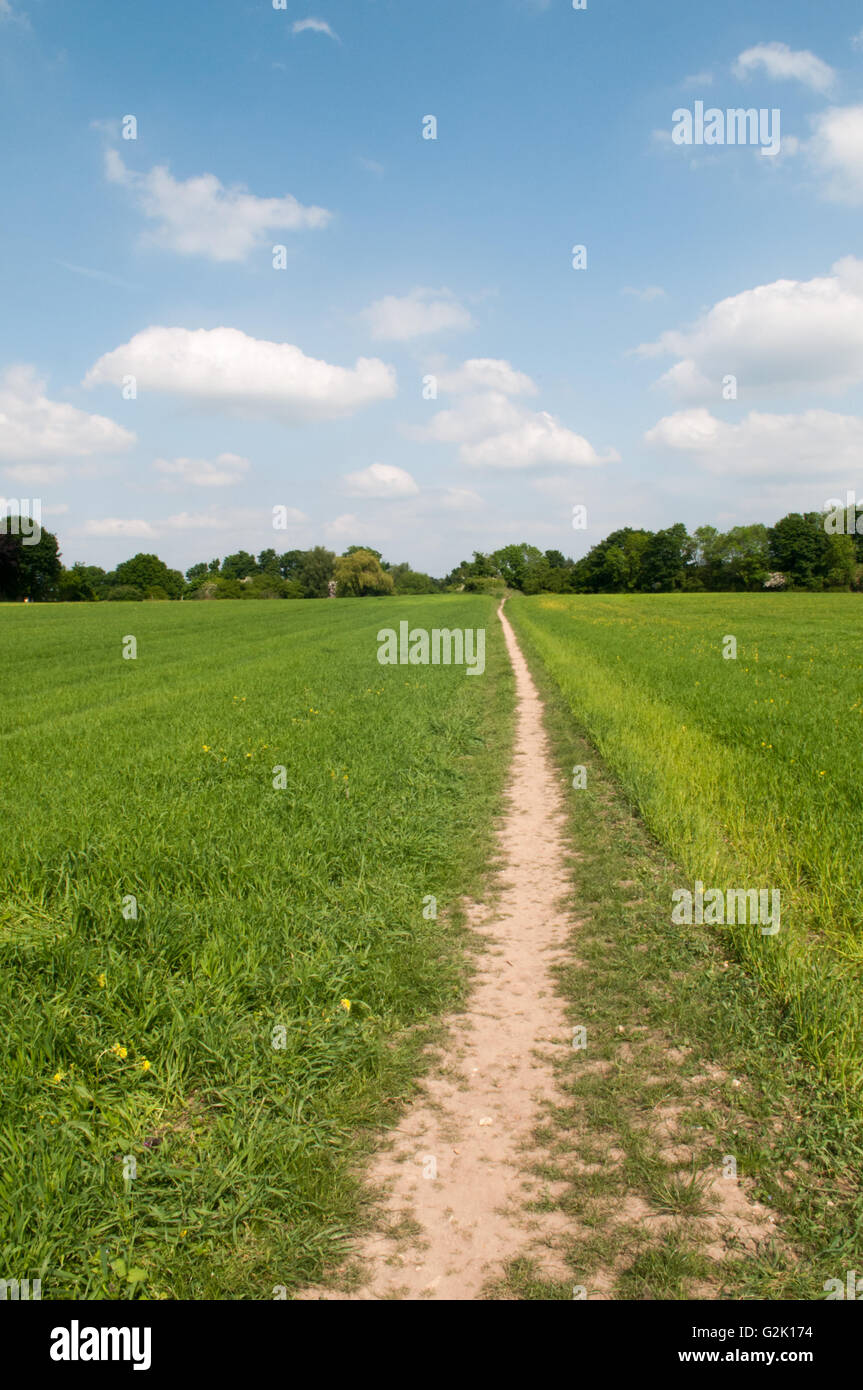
(745, 555)
(311, 569)
(29, 570)
(664, 561)
(74, 585)
(408, 581)
(146, 572)
(196, 573)
(799, 548)
(359, 575)
(238, 566)
(353, 549)
(513, 563)
(268, 562)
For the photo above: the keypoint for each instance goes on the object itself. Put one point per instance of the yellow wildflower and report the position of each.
(101, 981)
(346, 1005)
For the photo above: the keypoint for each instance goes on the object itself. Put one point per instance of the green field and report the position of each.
(259, 908)
(746, 770)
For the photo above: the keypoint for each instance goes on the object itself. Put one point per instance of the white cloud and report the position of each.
(699, 79)
(315, 26)
(224, 368)
(415, 314)
(646, 295)
(538, 439)
(34, 427)
(790, 333)
(488, 374)
(381, 480)
(371, 166)
(200, 217)
(836, 151)
(785, 64)
(813, 443)
(495, 432)
(117, 526)
(227, 470)
(348, 530)
(857, 40)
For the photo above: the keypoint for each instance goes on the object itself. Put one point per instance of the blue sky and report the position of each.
(408, 258)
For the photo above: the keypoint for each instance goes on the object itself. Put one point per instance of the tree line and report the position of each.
(804, 550)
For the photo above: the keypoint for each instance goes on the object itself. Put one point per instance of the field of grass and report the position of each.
(150, 1037)
(746, 770)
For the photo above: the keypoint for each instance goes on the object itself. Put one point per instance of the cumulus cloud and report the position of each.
(420, 312)
(495, 432)
(486, 374)
(201, 217)
(227, 470)
(382, 480)
(537, 439)
(34, 427)
(813, 443)
(788, 334)
(315, 26)
(223, 367)
(836, 152)
(783, 63)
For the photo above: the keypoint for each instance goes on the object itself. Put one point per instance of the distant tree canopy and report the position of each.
(804, 550)
(30, 571)
(358, 574)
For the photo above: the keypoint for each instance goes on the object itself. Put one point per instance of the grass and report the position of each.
(745, 769)
(225, 980)
(690, 1061)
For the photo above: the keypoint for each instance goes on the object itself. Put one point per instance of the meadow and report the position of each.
(746, 770)
(216, 976)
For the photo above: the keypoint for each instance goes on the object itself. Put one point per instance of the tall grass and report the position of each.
(151, 1038)
(747, 770)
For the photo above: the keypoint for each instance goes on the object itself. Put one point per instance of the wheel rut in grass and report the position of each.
(456, 1175)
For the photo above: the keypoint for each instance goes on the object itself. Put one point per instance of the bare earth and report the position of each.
(456, 1166)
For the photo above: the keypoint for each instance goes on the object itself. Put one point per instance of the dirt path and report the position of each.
(455, 1173)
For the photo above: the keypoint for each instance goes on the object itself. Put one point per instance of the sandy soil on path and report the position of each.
(454, 1172)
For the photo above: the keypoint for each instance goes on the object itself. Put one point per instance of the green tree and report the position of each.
(146, 572)
(239, 566)
(311, 569)
(29, 571)
(359, 575)
(663, 564)
(798, 546)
